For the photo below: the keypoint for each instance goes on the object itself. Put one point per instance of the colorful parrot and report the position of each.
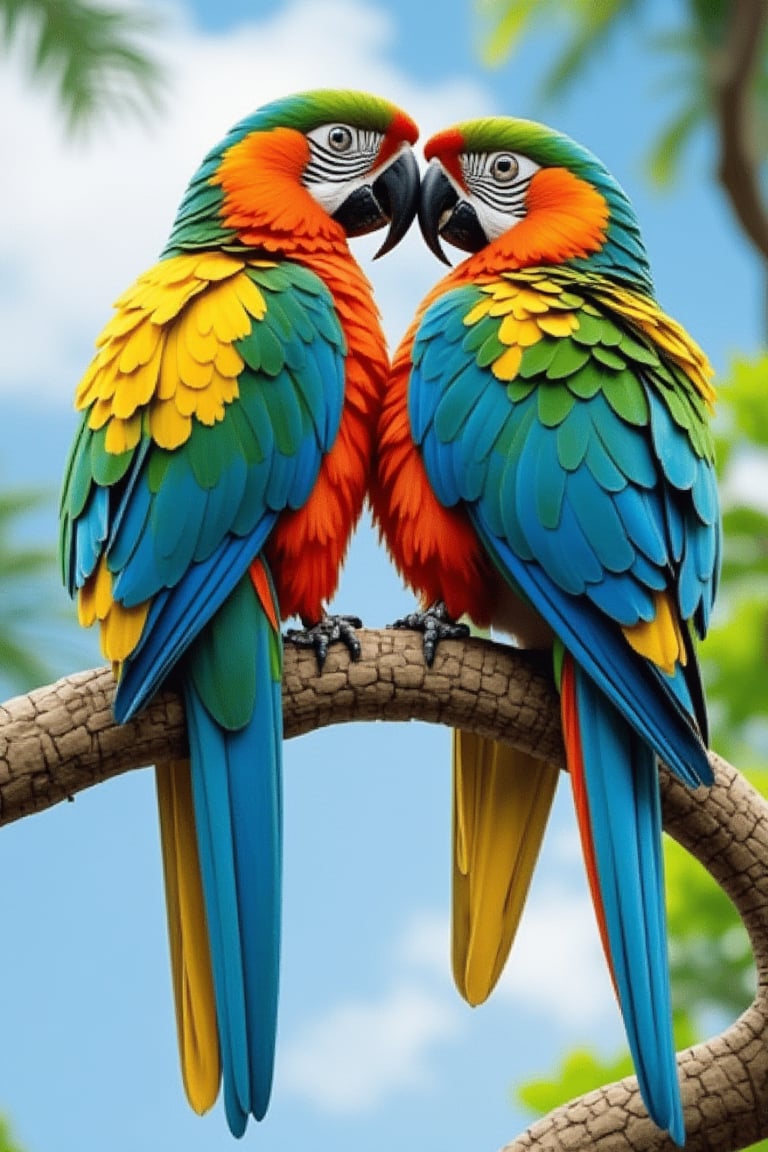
(219, 469)
(545, 466)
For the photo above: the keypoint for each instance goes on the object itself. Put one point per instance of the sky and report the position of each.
(375, 1048)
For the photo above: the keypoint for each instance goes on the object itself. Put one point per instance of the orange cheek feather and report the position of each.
(263, 194)
(567, 218)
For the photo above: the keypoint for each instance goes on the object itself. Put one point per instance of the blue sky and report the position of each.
(375, 1048)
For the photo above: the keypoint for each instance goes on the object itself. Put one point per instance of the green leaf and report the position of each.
(667, 152)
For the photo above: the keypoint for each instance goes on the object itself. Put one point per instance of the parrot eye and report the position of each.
(504, 168)
(340, 138)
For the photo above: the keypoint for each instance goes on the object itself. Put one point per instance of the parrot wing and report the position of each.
(583, 458)
(218, 386)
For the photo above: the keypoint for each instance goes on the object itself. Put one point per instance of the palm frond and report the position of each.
(594, 23)
(663, 161)
(93, 55)
(508, 20)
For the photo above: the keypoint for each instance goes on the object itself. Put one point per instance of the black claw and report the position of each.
(436, 625)
(329, 630)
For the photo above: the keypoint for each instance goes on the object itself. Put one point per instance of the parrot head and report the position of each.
(524, 195)
(304, 173)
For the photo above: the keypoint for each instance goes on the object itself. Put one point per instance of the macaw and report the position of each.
(545, 466)
(219, 469)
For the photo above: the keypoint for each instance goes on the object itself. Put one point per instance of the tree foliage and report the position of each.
(25, 580)
(94, 55)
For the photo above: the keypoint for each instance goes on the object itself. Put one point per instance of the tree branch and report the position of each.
(733, 86)
(62, 738)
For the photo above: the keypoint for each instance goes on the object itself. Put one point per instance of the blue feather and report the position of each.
(599, 520)
(641, 516)
(603, 469)
(423, 398)
(635, 687)
(220, 506)
(705, 496)
(128, 526)
(179, 613)
(622, 788)
(622, 597)
(629, 450)
(672, 446)
(568, 557)
(237, 790)
(91, 530)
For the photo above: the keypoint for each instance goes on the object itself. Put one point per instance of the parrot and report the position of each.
(219, 468)
(544, 467)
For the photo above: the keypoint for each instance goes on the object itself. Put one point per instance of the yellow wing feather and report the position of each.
(661, 639)
(169, 347)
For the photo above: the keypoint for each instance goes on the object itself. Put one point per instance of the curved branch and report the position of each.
(62, 738)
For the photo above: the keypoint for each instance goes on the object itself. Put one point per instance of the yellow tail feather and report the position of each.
(188, 938)
(501, 803)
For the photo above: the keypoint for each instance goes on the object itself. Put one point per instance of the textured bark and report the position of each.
(60, 739)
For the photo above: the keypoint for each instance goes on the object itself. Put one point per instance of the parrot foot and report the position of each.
(329, 630)
(436, 625)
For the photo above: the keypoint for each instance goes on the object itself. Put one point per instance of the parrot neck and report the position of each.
(250, 199)
(570, 222)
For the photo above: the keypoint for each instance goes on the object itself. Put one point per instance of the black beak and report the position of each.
(443, 213)
(393, 198)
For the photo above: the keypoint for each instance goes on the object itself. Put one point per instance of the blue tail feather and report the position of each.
(622, 787)
(236, 780)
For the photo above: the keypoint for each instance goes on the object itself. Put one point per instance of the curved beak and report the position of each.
(392, 198)
(443, 213)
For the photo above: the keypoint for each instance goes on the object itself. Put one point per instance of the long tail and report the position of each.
(616, 791)
(188, 937)
(233, 801)
(501, 802)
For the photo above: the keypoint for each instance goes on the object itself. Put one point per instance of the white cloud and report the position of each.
(87, 218)
(361, 1052)
(556, 967)
(425, 945)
